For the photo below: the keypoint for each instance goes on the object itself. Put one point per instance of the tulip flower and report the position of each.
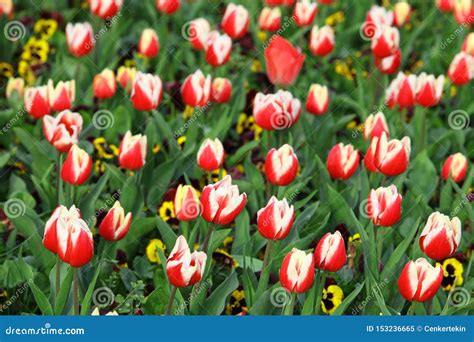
(132, 151)
(63, 131)
(386, 43)
(183, 267)
(281, 166)
(389, 65)
(455, 167)
(235, 21)
(445, 5)
(197, 32)
(401, 13)
(283, 61)
(376, 20)
(69, 236)
(404, 90)
(429, 89)
(218, 49)
(63, 214)
(330, 252)
(463, 11)
(375, 125)
(186, 203)
(321, 40)
(441, 236)
(196, 89)
(221, 202)
(6, 8)
(80, 38)
(104, 85)
(126, 77)
(149, 44)
(168, 6)
(280, 2)
(270, 19)
(105, 9)
(62, 96)
(468, 44)
(390, 157)
(384, 206)
(77, 166)
(37, 102)
(317, 102)
(304, 12)
(297, 271)
(210, 156)
(276, 111)
(221, 90)
(343, 161)
(147, 91)
(419, 281)
(15, 84)
(274, 222)
(115, 224)
(461, 69)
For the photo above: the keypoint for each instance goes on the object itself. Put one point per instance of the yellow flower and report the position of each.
(227, 259)
(262, 36)
(236, 303)
(152, 250)
(6, 70)
(99, 166)
(188, 112)
(166, 211)
(129, 63)
(452, 273)
(181, 140)
(256, 66)
(36, 50)
(453, 91)
(247, 123)
(332, 298)
(46, 28)
(156, 148)
(104, 150)
(354, 238)
(335, 18)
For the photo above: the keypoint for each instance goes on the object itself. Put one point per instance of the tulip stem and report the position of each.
(322, 282)
(59, 184)
(265, 272)
(58, 277)
(411, 309)
(207, 238)
(290, 307)
(380, 237)
(169, 307)
(76, 292)
(429, 307)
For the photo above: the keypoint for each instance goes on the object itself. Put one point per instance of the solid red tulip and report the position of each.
(317, 102)
(281, 166)
(321, 40)
(455, 167)
(132, 151)
(186, 203)
(390, 157)
(343, 161)
(375, 125)
(441, 236)
(429, 89)
(419, 281)
(210, 156)
(384, 206)
(80, 38)
(276, 111)
(37, 102)
(62, 96)
(221, 202)
(196, 89)
(218, 49)
(147, 91)
(105, 9)
(330, 252)
(221, 90)
(104, 85)
(77, 166)
(304, 12)
(115, 224)
(283, 61)
(63, 131)
(461, 69)
(274, 222)
(297, 271)
(235, 21)
(183, 267)
(270, 19)
(168, 6)
(149, 44)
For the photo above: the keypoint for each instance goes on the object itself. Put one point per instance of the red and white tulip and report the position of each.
(386, 43)
(461, 69)
(317, 102)
(63, 130)
(274, 222)
(455, 167)
(221, 90)
(330, 252)
(270, 19)
(37, 101)
(77, 166)
(235, 21)
(197, 32)
(218, 49)
(104, 85)
(281, 166)
(343, 161)
(132, 151)
(210, 156)
(186, 203)
(80, 38)
(390, 157)
(105, 9)
(149, 43)
(429, 89)
(384, 206)
(196, 89)
(147, 91)
(390, 64)
(419, 281)
(115, 224)
(297, 271)
(168, 6)
(375, 125)
(401, 13)
(62, 96)
(304, 12)
(321, 40)
(126, 77)
(276, 111)
(441, 236)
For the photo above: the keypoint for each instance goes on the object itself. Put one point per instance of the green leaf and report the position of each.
(63, 292)
(41, 300)
(215, 303)
(86, 301)
(348, 300)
